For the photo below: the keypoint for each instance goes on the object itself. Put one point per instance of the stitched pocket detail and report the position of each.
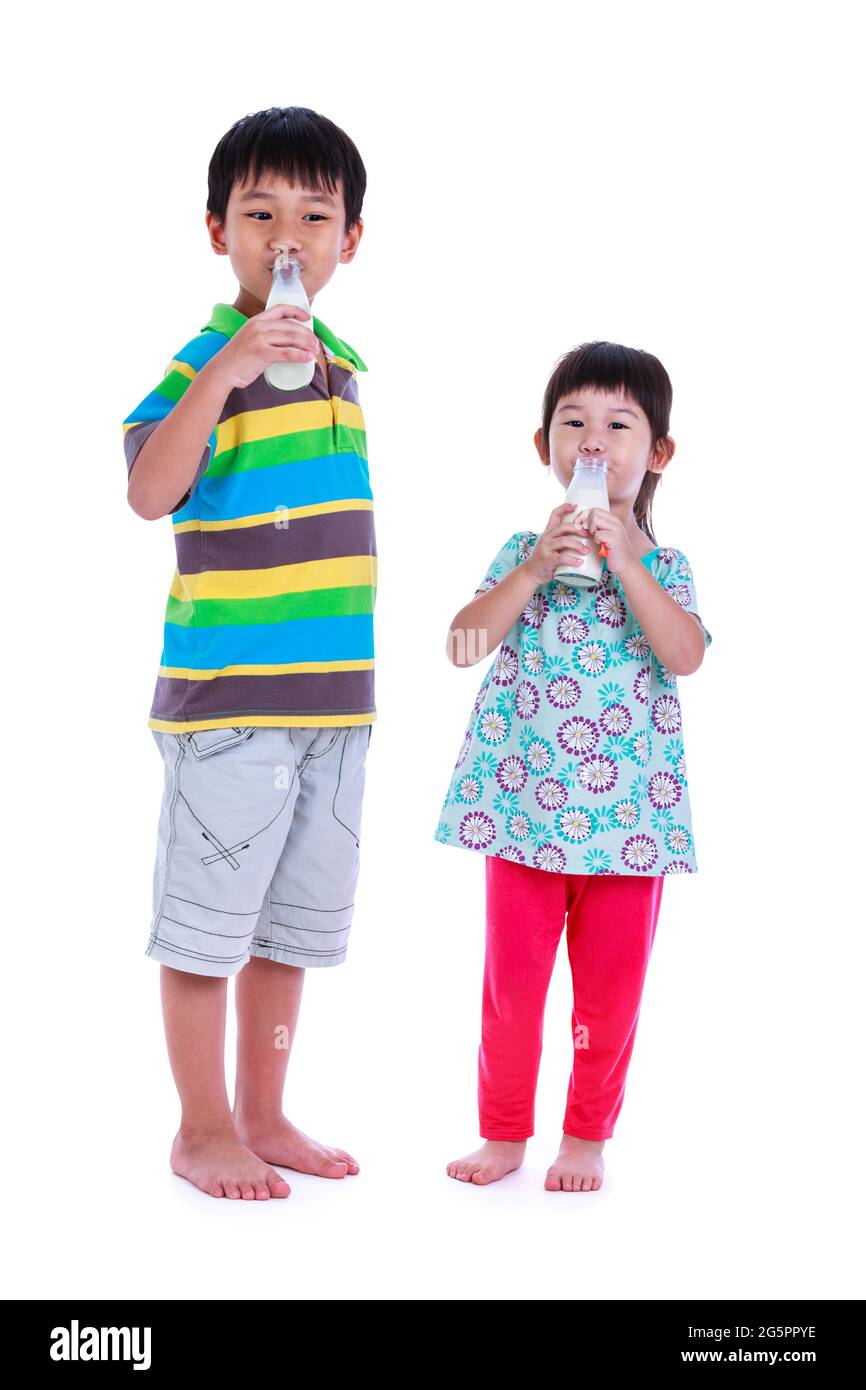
(203, 742)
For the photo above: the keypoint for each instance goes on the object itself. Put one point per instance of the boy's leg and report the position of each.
(611, 927)
(206, 1149)
(308, 908)
(222, 826)
(525, 917)
(305, 921)
(225, 815)
(268, 1001)
(194, 1013)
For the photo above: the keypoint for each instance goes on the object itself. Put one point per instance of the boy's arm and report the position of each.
(480, 626)
(175, 453)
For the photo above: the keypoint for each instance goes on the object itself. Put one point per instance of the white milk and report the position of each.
(287, 288)
(588, 488)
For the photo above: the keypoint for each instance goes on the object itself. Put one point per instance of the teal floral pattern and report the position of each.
(574, 759)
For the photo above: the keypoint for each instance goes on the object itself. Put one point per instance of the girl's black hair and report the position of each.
(289, 141)
(612, 367)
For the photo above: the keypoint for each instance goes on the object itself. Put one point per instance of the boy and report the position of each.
(264, 702)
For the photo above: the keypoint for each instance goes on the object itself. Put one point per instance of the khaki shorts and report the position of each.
(258, 846)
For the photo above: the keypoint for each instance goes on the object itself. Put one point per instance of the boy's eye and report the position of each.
(306, 214)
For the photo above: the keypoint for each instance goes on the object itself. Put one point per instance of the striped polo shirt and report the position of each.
(269, 617)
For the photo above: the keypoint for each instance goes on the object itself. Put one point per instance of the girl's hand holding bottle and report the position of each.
(608, 531)
(558, 544)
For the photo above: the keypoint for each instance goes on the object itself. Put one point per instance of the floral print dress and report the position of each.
(574, 759)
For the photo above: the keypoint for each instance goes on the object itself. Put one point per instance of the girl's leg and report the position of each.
(611, 927)
(525, 917)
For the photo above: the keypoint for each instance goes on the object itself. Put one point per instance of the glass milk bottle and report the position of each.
(588, 488)
(287, 288)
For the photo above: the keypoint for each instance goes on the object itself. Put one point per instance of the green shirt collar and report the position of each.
(227, 319)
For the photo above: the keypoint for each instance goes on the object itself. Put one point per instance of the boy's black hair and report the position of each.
(612, 367)
(289, 141)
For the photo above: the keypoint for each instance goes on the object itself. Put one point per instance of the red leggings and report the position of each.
(611, 922)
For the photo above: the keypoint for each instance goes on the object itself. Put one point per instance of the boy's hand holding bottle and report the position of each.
(167, 461)
(281, 334)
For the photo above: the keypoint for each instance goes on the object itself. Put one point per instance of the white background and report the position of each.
(677, 177)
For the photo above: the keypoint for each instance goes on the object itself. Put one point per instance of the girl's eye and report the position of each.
(620, 424)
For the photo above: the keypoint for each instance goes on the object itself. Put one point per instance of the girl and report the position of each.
(571, 778)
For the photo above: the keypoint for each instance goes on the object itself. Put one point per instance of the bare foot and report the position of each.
(215, 1160)
(579, 1166)
(492, 1161)
(279, 1141)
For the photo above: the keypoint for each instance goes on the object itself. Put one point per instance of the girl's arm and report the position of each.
(480, 626)
(674, 634)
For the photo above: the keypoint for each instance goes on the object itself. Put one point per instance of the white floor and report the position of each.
(734, 1171)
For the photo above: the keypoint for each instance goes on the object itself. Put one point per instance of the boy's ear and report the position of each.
(350, 241)
(216, 232)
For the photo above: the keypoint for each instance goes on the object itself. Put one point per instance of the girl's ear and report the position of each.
(540, 445)
(663, 453)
